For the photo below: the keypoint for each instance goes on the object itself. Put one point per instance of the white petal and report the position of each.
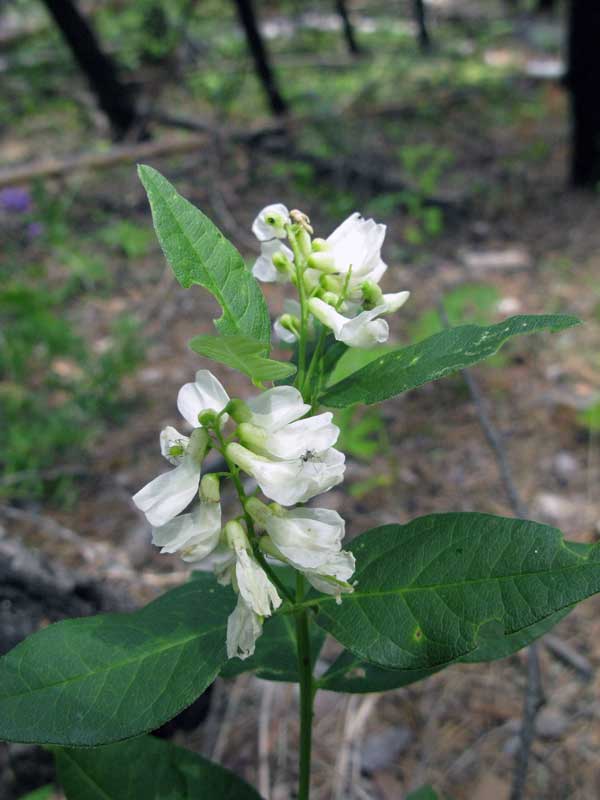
(395, 301)
(333, 576)
(283, 333)
(264, 269)
(255, 588)
(293, 481)
(310, 435)
(361, 331)
(165, 496)
(243, 629)
(220, 561)
(307, 537)
(356, 243)
(195, 535)
(277, 407)
(327, 315)
(206, 392)
(270, 222)
(170, 437)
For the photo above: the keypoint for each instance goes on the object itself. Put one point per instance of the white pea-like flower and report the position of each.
(194, 536)
(305, 537)
(251, 580)
(365, 330)
(244, 626)
(168, 494)
(277, 407)
(356, 244)
(295, 480)
(270, 222)
(309, 435)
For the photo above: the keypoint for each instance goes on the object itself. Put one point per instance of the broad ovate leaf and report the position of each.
(443, 586)
(145, 768)
(100, 679)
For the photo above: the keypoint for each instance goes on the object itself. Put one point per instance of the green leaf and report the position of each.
(244, 354)
(145, 769)
(199, 253)
(275, 658)
(423, 793)
(43, 793)
(348, 673)
(433, 358)
(435, 590)
(99, 679)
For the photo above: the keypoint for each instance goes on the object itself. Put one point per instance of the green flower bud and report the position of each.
(372, 294)
(210, 489)
(238, 410)
(208, 418)
(331, 283)
(319, 245)
(282, 263)
(198, 445)
(252, 436)
(236, 536)
(330, 298)
(304, 242)
(290, 323)
(322, 261)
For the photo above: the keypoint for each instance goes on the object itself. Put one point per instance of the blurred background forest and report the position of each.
(472, 129)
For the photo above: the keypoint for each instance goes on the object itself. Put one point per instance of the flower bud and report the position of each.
(304, 242)
(322, 261)
(238, 410)
(331, 283)
(372, 294)
(319, 245)
(208, 418)
(210, 489)
(236, 536)
(290, 323)
(281, 262)
(330, 298)
(252, 436)
(198, 445)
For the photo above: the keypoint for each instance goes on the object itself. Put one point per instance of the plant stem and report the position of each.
(300, 263)
(307, 692)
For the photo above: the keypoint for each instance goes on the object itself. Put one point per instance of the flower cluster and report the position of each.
(292, 458)
(340, 275)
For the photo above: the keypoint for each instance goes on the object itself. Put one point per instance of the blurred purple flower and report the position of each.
(34, 229)
(15, 200)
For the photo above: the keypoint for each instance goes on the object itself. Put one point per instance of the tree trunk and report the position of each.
(421, 20)
(583, 81)
(113, 97)
(347, 27)
(259, 54)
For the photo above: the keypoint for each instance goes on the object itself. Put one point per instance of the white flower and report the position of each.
(193, 535)
(264, 269)
(244, 627)
(364, 330)
(291, 308)
(356, 244)
(305, 537)
(271, 222)
(173, 444)
(205, 393)
(277, 407)
(252, 582)
(332, 577)
(169, 493)
(295, 480)
(310, 435)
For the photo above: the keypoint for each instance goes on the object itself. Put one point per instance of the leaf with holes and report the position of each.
(100, 679)
(199, 253)
(244, 354)
(435, 590)
(433, 358)
(145, 769)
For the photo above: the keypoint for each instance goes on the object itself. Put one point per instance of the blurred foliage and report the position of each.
(58, 391)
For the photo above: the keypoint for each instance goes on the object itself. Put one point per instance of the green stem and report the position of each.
(314, 361)
(300, 263)
(307, 693)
